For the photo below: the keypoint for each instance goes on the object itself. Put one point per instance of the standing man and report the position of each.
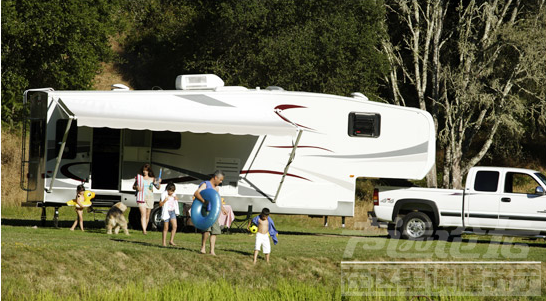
(214, 230)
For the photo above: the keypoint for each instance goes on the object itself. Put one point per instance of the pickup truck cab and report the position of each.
(494, 198)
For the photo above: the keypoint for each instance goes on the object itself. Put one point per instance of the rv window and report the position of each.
(37, 136)
(70, 148)
(486, 181)
(166, 140)
(364, 125)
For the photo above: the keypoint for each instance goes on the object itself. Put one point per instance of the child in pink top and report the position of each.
(169, 204)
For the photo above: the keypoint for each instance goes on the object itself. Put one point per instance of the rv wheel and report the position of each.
(155, 219)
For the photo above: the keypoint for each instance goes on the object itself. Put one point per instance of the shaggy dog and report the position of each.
(115, 219)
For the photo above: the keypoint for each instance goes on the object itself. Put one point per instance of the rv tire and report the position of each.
(155, 219)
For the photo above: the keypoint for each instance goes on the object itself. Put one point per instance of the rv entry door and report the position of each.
(136, 150)
(105, 159)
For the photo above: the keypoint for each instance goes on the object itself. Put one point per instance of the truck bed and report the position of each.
(448, 202)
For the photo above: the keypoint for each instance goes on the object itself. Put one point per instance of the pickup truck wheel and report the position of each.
(417, 225)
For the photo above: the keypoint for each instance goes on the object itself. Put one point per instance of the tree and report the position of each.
(419, 51)
(56, 43)
(322, 46)
(155, 40)
(497, 54)
(489, 54)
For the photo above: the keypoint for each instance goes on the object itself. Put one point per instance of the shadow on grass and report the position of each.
(488, 240)
(50, 224)
(246, 253)
(306, 233)
(329, 234)
(147, 244)
(497, 242)
(90, 225)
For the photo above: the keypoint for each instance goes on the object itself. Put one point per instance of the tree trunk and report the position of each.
(447, 165)
(456, 174)
(432, 177)
(438, 15)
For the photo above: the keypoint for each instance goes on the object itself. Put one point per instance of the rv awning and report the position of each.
(196, 113)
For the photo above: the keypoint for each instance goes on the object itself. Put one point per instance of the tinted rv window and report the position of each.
(166, 140)
(364, 125)
(70, 148)
(486, 181)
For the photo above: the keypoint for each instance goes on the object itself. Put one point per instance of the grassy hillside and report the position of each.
(50, 264)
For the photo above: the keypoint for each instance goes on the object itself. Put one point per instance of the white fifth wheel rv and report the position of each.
(293, 152)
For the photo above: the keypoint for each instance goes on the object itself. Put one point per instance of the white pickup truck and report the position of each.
(494, 198)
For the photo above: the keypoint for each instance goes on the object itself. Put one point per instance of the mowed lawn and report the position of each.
(56, 264)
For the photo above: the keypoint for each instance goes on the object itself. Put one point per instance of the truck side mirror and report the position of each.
(539, 190)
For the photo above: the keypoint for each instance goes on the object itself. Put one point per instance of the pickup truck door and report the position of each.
(483, 200)
(521, 208)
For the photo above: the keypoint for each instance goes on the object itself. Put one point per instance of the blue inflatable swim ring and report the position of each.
(200, 219)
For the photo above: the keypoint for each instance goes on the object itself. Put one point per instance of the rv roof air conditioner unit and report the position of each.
(198, 82)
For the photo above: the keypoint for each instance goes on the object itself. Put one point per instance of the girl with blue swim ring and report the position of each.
(214, 230)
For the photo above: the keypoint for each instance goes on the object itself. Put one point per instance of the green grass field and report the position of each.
(43, 263)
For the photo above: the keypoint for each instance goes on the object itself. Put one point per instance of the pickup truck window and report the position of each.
(486, 181)
(541, 177)
(519, 183)
(364, 125)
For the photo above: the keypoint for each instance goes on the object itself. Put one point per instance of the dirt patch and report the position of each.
(109, 76)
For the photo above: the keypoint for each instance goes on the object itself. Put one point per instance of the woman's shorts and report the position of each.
(149, 202)
(172, 215)
(263, 240)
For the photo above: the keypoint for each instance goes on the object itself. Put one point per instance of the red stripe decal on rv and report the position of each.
(272, 172)
(280, 108)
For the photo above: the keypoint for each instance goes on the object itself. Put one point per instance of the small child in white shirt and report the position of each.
(169, 202)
